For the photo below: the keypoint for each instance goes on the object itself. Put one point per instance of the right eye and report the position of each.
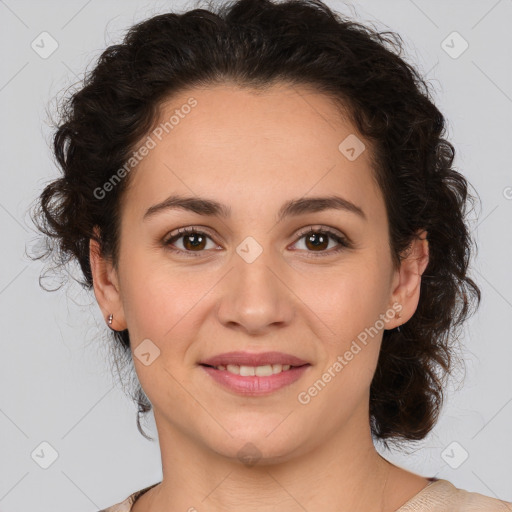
(193, 241)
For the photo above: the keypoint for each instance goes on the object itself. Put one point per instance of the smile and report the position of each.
(255, 380)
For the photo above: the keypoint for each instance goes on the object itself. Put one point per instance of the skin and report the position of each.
(254, 151)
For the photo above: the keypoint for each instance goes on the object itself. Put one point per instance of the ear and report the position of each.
(106, 285)
(407, 280)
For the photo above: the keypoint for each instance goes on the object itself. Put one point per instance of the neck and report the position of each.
(343, 473)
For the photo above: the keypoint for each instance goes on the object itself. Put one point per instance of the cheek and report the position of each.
(156, 307)
(147, 286)
(351, 305)
(160, 307)
(350, 296)
(162, 302)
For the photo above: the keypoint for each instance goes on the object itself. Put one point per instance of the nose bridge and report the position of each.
(254, 295)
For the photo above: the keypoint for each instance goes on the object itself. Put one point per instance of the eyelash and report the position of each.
(344, 243)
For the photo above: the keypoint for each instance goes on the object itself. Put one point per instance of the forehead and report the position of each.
(240, 145)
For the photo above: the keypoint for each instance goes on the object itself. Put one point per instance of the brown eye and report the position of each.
(194, 241)
(317, 241)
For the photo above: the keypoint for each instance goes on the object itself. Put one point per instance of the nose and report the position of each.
(255, 297)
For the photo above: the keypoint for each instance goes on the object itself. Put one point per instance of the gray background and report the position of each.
(56, 383)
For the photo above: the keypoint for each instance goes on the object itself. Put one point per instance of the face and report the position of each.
(252, 280)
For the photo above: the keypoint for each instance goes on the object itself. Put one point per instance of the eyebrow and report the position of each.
(293, 207)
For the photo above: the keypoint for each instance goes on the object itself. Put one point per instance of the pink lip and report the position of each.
(253, 359)
(254, 385)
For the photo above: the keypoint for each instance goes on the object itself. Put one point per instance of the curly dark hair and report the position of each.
(255, 44)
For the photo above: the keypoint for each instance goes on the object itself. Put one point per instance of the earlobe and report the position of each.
(106, 286)
(407, 290)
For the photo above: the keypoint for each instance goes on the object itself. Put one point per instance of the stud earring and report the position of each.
(110, 318)
(398, 316)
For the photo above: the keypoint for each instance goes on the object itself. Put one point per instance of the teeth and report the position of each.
(259, 371)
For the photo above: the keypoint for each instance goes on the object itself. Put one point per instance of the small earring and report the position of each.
(398, 316)
(110, 317)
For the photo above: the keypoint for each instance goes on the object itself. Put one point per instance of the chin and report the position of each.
(258, 448)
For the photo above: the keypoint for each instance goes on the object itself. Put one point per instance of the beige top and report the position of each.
(437, 496)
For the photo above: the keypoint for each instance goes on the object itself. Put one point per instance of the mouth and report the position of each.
(258, 371)
(254, 375)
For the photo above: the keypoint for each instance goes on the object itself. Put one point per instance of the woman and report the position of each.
(262, 200)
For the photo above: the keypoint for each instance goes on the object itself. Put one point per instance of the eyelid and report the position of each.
(300, 233)
(188, 229)
(323, 228)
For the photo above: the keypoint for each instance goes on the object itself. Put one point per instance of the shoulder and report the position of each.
(126, 504)
(441, 496)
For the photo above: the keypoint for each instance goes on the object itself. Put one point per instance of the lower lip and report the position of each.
(254, 385)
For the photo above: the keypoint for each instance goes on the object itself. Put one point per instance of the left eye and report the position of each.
(318, 238)
(194, 241)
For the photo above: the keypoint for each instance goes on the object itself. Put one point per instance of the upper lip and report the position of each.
(252, 359)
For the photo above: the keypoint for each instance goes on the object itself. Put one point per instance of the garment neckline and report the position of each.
(434, 482)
